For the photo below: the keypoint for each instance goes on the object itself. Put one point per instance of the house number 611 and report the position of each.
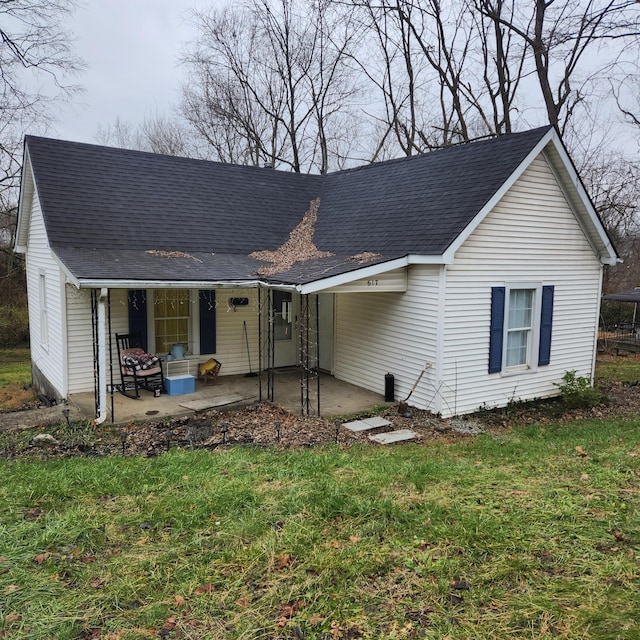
(372, 283)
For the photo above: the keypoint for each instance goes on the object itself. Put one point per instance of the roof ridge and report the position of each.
(458, 145)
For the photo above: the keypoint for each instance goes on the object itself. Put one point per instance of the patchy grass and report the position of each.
(535, 534)
(618, 369)
(15, 373)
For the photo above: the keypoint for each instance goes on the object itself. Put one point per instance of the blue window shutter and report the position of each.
(137, 303)
(546, 321)
(207, 321)
(497, 329)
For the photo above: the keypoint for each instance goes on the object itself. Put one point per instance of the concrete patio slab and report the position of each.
(391, 437)
(212, 403)
(337, 398)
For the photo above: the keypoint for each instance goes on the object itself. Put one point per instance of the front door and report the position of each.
(285, 329)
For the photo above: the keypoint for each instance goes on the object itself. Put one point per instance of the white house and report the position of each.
(483, 260)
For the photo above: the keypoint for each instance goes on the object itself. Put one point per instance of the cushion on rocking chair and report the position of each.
(138, 360)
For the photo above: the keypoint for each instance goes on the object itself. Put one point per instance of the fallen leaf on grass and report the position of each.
(355, 539)
(243, 603)
(179, 600)
(12, 587)
(282, 561)
(585, 476)
(169, 623)
(315, 619)
(204, 588)
(581, 452)
(98, 583)
(41, 557)
(12, 617)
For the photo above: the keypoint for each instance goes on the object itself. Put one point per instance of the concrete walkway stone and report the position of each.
(366, 424)
(390, 437)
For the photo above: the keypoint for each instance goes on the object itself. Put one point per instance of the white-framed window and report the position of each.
(171, 318)
(44, 311)
(521, 327)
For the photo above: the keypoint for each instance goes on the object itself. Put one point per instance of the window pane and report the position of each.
(520, 308)
(517, 344)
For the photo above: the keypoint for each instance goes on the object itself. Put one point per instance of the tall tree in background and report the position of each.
(268, 83)
(36, 61)
(566, 40)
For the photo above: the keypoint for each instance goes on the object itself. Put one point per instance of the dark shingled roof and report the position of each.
(105, 209)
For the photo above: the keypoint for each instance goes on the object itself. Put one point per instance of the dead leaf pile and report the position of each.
(298, 248)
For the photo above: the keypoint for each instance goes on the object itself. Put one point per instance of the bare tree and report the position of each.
(446, 72)
(36, 59)
(559, 35)
(157, 134)
(268, 83)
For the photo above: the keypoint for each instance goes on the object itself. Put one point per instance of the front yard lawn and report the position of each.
(528, 534)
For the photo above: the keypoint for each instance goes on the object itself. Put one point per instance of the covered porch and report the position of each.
(338, 398)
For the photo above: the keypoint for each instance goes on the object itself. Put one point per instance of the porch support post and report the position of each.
(260, 354)
(102, 360)
(318, 349)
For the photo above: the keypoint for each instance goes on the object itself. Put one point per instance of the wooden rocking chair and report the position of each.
(138, 369)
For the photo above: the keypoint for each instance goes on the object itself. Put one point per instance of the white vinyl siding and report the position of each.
(531, 236)
(380, 333)
(48, 338)
(44, 312)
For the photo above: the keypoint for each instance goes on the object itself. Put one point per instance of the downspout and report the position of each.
(102, 359)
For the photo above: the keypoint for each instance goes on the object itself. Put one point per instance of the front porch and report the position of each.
(337, 398)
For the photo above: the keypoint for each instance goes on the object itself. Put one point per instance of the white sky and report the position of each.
(131, 49)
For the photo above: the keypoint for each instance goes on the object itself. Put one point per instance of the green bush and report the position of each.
(577, 391)
(14, 326)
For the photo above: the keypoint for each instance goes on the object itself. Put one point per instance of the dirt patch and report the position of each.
(266, 425)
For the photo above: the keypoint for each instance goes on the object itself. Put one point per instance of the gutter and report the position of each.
(186, 284)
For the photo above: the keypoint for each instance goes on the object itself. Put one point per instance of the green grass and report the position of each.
(15, 373)
(518, 536)
(15, 366)
(618, 370)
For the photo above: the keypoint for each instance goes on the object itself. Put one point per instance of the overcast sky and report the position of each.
(131, 49)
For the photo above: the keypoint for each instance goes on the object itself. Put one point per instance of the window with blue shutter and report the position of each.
(138, 310)
(516, 327)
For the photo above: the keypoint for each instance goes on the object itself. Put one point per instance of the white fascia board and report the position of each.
(606, 253)
(357, 274)
(25, 201)
(497, 196)
(84, 283)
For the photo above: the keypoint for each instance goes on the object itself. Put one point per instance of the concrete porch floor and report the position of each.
(336, 398)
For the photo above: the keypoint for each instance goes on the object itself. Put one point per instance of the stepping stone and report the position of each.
(366, 424)
(394, 436)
